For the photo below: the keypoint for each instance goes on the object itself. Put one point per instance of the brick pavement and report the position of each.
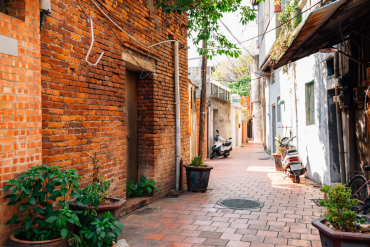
(195, 219)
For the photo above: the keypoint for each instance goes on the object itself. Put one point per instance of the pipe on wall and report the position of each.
(339, 125)
(177, 109)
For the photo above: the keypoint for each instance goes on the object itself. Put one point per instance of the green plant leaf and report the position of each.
(39, 210)
(22, 207)
(64, 232)
(32, 201)
(149, 190)
(51, 219)
(6, 188)
(64, 191)
(27, 224)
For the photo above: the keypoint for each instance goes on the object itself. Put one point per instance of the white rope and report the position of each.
(92, 44)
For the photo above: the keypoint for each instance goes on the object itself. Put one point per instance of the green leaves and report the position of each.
(64, 232)
(35, 191)
(203, 17)
(338, 206)
(145, 185)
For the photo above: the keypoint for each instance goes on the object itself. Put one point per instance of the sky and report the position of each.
(241, 32)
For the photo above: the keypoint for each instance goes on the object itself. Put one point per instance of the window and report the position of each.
(278, 117)
(197, 71)
(189, 71)
(208, 70)
(221, 93)
(214, 90)
(310, 103)
(330, 67)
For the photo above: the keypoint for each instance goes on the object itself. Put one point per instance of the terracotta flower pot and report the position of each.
(277, 8)
(114, 209)
(197, 177)
(333, 238)
(277, 159)
(59, 242)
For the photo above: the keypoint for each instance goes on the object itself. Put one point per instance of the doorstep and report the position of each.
(136, 203)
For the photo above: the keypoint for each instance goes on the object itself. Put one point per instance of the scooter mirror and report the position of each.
(217, 131)
(230, 138)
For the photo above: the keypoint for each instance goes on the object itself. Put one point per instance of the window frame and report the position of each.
(310, 102)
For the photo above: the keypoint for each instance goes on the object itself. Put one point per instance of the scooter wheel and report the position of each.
(211, 157)
(296, 179)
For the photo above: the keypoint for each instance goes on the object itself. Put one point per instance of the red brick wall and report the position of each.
(82, 104)
(20, 104)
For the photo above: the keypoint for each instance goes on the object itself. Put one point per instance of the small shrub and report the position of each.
(339, 204)
(141, 187)
(197, 162)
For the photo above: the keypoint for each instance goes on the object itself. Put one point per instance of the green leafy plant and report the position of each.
(101, 233)
(287, 32)
(198, 162)
(36, 191)
(143, 186)
(277, 143)
(338, 211)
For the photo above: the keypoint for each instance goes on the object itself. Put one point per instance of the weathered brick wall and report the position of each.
(20, 103)
(82, 104)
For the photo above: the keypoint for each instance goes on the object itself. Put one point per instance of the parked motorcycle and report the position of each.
(291, 160)
(222, 147)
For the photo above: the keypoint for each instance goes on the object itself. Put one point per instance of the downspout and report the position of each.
(177, 109)
(339, 124)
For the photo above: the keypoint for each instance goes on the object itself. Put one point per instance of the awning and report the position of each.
(321, 28)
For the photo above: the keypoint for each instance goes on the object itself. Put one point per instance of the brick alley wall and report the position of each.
(84, 106)
(20, 102)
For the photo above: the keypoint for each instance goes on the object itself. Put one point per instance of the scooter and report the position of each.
(291, 160)
(221, 147)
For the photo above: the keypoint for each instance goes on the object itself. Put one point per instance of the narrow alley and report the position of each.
(195, 219)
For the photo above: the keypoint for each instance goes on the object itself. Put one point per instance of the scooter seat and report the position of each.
(227, 143)
(367, 168)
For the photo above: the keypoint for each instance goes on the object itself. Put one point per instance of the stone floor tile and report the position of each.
(173, 238)
(216, 241)
(194, 240)
(297, 242)
(202, 222)
(232, 243)
(188, 227)
(268, 234)
(210, 235)
(170, 231)
(226, 230)
(310, 237)
(231, 236)
(289, 235)
(207, 228)
(190, 233)
(176, 244)
(154, 236)
(282, 241)
(253, 239)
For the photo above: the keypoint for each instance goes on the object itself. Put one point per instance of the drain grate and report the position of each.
(316, 201)
(238, 203)
(267, 158)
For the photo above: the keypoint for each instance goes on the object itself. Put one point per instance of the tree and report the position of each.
(242, 86)
(203, 17)
(230, 71)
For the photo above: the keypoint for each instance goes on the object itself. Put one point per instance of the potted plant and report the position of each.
(341, 226)
(277, 155)
(41, 194)
(277, 5)
(96, 230)
(197, 174)
(99, 189)
(144, 186)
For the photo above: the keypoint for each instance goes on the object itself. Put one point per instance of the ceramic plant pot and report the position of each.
(277, 159)
(197, 177)
(333, 238)
(59, 242)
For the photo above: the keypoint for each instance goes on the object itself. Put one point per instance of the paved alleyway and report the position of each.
(195, 219)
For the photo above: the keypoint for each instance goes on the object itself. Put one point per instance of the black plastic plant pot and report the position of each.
(197, 177)
(332, 238)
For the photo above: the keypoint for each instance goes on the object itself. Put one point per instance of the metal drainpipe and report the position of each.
(177, 107)
(339, 124)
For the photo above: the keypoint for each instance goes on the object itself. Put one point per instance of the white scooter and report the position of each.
(291, 160)
(221, 147)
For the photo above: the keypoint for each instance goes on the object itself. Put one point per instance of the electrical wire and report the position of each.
(277, 26)
(227, 28)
